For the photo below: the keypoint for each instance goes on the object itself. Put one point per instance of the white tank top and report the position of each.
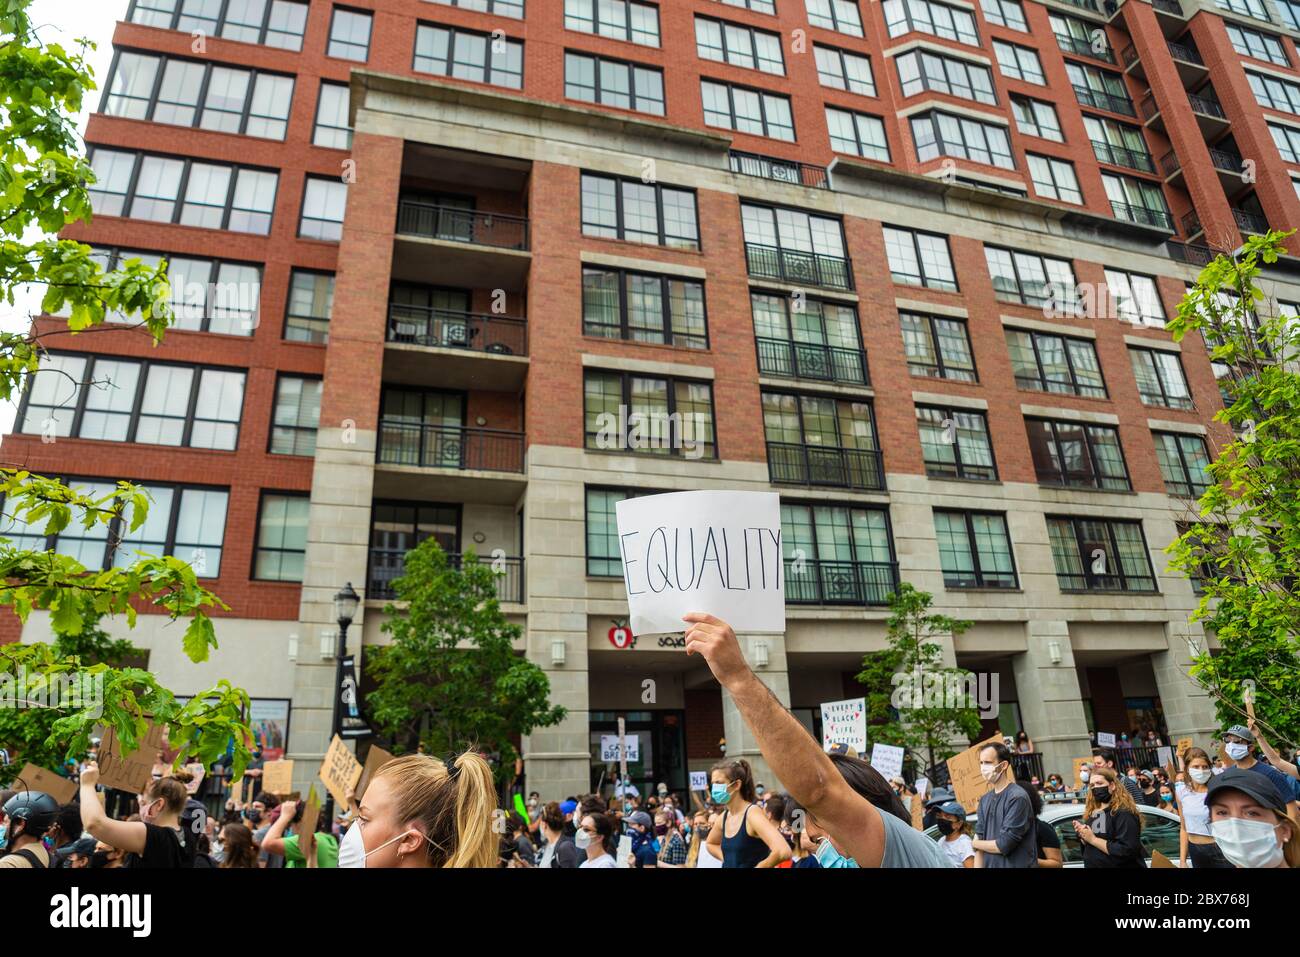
(1195, 814)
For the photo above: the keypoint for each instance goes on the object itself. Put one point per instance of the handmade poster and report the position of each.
(133, 771)
(845, 722)
(967, 783)
(888, 760)
(34, 778)
(609, 747)
(340, 771)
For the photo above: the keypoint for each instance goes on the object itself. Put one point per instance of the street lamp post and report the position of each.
(345, 609)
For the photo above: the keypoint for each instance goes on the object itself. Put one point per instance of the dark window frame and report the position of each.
(840, 54)
(1164, 402)
(1194, 489)
(753, 32)
(289, 299)
(664, 279)
(1076, 524)
(675, 450)
(627, 4)
(981, 580)
(370, 31)
(947, 412)
(263, 495)
(302, 209)
(938, 352)
(632, 66)
(1089, 448)
(799, 396)
(1021, 284)
(315, 120)
(1075, 385)
(586, 518)
(620, 213)
(731, 89)
(295, 429)
(455, 31)
(264, 29)
(927, 83)
(940, 285)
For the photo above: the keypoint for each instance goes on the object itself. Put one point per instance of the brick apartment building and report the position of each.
(907, 263)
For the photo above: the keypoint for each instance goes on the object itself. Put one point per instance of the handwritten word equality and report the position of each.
(754, 562)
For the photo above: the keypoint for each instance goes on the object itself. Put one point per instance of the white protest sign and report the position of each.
(1165, 756)
(699, 780)
(920, 786)
(715, 552)
(609, 747)
(845, 722)
(1105, 739)
(888, 760)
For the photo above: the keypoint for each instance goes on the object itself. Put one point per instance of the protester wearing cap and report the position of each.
(1290, 768)
(644, 853)
(839, 747)
(956, 841)
(1248, 817)
(1238, 753)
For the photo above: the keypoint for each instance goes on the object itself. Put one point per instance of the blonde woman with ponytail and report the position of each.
(420, 812)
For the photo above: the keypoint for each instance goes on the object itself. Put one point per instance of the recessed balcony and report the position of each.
(453, 349)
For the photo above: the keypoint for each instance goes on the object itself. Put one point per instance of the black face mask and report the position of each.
(945, 827)
(1101, 795)
(99, 859)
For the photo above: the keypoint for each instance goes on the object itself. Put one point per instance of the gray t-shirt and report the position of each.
(1008, 819)
(905, 846)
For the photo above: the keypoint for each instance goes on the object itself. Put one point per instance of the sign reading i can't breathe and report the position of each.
(715, 552)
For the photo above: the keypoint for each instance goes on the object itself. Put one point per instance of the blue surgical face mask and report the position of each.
(720, 794)
(827, 856)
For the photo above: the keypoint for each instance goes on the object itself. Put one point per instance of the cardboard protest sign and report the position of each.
(918, 812)
(715, 552)
(376, 758)
(967, 784)
(1105, 739)
(845, 722)
(198, 771)
(340, 771)
(34, 778)
(609, 747)
(699, 780)
(888, 760)
(277, 777)
(1159, 860)
(1183, 745)
(307, 827)
(130, 772)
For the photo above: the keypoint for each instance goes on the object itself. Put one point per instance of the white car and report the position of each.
(1159, 831)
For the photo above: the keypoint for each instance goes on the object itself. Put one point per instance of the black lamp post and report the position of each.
(345, 609)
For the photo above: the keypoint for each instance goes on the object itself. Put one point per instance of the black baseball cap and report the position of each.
(1250, 783)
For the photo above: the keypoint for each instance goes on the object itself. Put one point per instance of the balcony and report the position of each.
(1206, 106)
(1122, 156)
(839, 583)
(1226, 161)
(387, 564)
(423, 445)
(783, 171)
(797, 267)
(1249, 222)
(810, 360)
(1187, 61)
(1085, 48)
(792, 464)
(1190, 253)
(1171, 7)
(1191, 224)
(1158, 218)
(1099, 100)
(461, 225)
(445, 245)
(1089, 5)
(455, 350)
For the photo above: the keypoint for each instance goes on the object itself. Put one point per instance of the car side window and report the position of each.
(1159, 834)
(1071, 846)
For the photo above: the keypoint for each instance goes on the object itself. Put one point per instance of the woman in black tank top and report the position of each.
(742, 839)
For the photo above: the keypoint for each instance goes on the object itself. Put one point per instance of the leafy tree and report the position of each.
(1243, 543)
(451, 680)
(909, 693)
(43, 189)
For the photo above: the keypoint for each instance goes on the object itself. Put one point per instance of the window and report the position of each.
(922, 70)
(759, 6)
(1054, 178)
(323, 203)
(1135, 298)
(206, 295)
(844, 70)
(937, 347)
(974, 549)
(1287, 139)
(840, 15)
(331, 129)
(739, 45)
(123, 400)
(639, 212)
(1184, 463)
(1098, 555)
(1290, 11)
(857, 133)
(1032, 279)
(307, 316)
(1080, 38)
(837, 554)
(279, 23)
(794, 246)
(281, 537)
(296, 416)
(604, 556)
(807, 338)
(350, 35)
(617, 19)
(955, 443)
(1258, 46)
(649, 415)
(189, 192)
(1138, 200)
(1019, 63)
(397, 527)
(1274, 93)
(1037, 118)
(1160, 378)
(1099, 89)
(1005, 13)
(626, 86)
(500, 8)
(1049, 363)
(747, 111)
(1247, 8)
(1077, 454)
(618, 304)
(919, 259)
(936, 19)
(468, 55)
(1118, 144)
(947, 134)
(819, 440)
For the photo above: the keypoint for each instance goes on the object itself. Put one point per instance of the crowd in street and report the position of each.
(1238, 809)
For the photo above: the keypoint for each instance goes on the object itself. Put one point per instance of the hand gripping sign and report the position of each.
(716, 552)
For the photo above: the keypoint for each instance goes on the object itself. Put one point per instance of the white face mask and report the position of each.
(1237, 751)
(582, 839)
(1200, 775)
(352, 850)
(1083, 776)
(1247, 843)
(991, 772)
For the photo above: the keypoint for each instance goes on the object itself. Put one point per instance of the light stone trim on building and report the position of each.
(942, 398)
(1075, 415)
(1170, 425)
(1039, 325)
(934, 308)
(591, 258)
(592, 360)
(1164, 345)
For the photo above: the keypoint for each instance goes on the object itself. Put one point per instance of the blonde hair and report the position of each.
(1120, 799)
(456, 810)
(171, 790)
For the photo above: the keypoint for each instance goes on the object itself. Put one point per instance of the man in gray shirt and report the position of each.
(1006, 834)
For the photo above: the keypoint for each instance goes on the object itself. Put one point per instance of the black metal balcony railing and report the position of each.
(1084, 5)
(1148, 109)
(1086, 48)
(810, 360)
(839, 583)
(1226, 160)
(1190, 253)
(1249, 222)
(1122, 156)
(797, 266)
(1100, 100)
(791, 464)
(1128, 56)
(449, 447)
(783, 171)
(451, 329)
(1191, 223)
(1141, 214)
(1184, 52)
(461, 225)
(1170, 163)
(387, 564)
(1206, 106)
(1168, 6)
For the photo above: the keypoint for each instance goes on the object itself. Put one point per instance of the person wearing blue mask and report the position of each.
(742, 839)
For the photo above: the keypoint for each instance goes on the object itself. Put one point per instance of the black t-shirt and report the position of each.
(162, 848)
(1122, 832)
(1047, 837)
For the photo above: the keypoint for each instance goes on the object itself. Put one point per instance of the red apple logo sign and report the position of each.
(620, 636)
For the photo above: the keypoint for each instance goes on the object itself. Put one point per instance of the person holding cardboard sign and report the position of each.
(276, 841)
(156, 840)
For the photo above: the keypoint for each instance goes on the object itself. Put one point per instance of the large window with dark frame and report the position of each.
(821, 440)
(643, 307)
(955, 443)
(168, 189)
(296, 416)
(921, 70)
(281, 550)
(1077, 454)
(615, 19)
(324, 202)
(1256, 45)
(1184, 463)
(206, 295)
(1135, 298)
(937, 347)
(1092, 554)
(350, 34)
(801, 337)
(617, 208)
(1080, 37)
(758, 6)
(1054, 178)
(1120, 144)
(739, 45)
(745, 110)
(934, 18)
(837, 554)
(858, 133)
(842, 16)
(1160, 378)
(1046, 362)
(1247, 8)
(1100, 89)
(844, 70)
(469, 55)
(1033, 279)
(331, 128)
(919, 259)
(278, 23)
(655, 415)
(1005, 13)
(311, 300)
(617, 83)
(1287, 139)
(1037, 118)
(604, 557)
(1019, 62)
(795, 246)
(974, 549)
(1137, 200)
(937, 133)
(500, 8)
(397, 527)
